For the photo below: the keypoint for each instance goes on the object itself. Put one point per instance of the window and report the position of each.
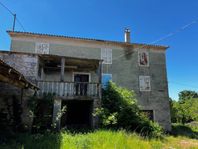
(105, 79)
(143, 58)
(42, 48)
(144, 82)
(106, 55)
(149, 114)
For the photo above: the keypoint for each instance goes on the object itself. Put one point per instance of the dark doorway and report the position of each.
(78, 114)
(81, 84)
(43, 116)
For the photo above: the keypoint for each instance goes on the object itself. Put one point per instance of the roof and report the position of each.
(10, 75)
(11, 33)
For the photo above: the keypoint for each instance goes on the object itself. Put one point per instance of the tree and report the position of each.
(185, 111)
(173, 110)
(192, 106)
(120, 111)
(187, 94)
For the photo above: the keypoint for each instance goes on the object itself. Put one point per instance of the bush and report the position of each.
(120, 111)
(42, 112)
(185, 111)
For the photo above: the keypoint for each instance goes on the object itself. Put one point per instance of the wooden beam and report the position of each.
(11, 81)
(42, 73)
(10, 75)
(62, 69)
(100, 80)
(100, 72)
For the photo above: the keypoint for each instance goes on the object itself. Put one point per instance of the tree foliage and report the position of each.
(186, 109)
(187, 94)
(42, 119)
(120, 111)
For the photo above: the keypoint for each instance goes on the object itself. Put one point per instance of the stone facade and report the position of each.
(125, 67)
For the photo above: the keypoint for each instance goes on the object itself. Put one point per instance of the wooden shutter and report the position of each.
(109, 56)
(42, 48)
(104, 55)
(144, 83)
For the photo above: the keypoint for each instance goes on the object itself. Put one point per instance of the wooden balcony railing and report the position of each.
(65, 89)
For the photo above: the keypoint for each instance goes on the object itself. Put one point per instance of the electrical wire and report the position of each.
(13, 14)
(20, 24)
(163, 38)
(154, 42)
(6, 8)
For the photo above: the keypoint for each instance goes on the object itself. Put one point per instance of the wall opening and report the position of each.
(43, 116)
(81, 84)
(149, 114)
(78, 114)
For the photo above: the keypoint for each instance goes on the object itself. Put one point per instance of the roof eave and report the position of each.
(12, 33)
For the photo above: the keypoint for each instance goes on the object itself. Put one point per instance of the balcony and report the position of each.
(69, 89)
(68, 77)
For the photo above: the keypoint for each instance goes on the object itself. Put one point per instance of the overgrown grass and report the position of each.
(101, 139)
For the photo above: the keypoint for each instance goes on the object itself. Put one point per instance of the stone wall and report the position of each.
(27, 65)
(24, 63)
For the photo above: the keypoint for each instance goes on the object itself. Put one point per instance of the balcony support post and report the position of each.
(100, 80)
(62, 69)
(42, 73)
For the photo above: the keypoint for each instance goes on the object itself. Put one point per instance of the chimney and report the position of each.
(127, 37)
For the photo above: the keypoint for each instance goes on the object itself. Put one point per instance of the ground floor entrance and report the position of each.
(78, 114)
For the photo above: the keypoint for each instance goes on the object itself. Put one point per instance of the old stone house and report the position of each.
(76, 69)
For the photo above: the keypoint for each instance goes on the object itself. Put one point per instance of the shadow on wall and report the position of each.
(128, 51)
(10, 115)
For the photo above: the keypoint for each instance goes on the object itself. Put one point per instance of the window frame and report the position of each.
(144, 77)
(147, 54)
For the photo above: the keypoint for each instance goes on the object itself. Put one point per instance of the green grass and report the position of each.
(101, 139)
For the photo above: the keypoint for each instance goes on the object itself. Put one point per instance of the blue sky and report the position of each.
(149, 20)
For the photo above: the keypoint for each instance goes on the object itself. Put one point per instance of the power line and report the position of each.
(14, 15)
(6, 8)
(158, 40)
(163, 38)
(20, 24)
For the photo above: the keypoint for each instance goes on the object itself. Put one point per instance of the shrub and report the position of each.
(41, 110)
(185, 111)
(120, 111)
